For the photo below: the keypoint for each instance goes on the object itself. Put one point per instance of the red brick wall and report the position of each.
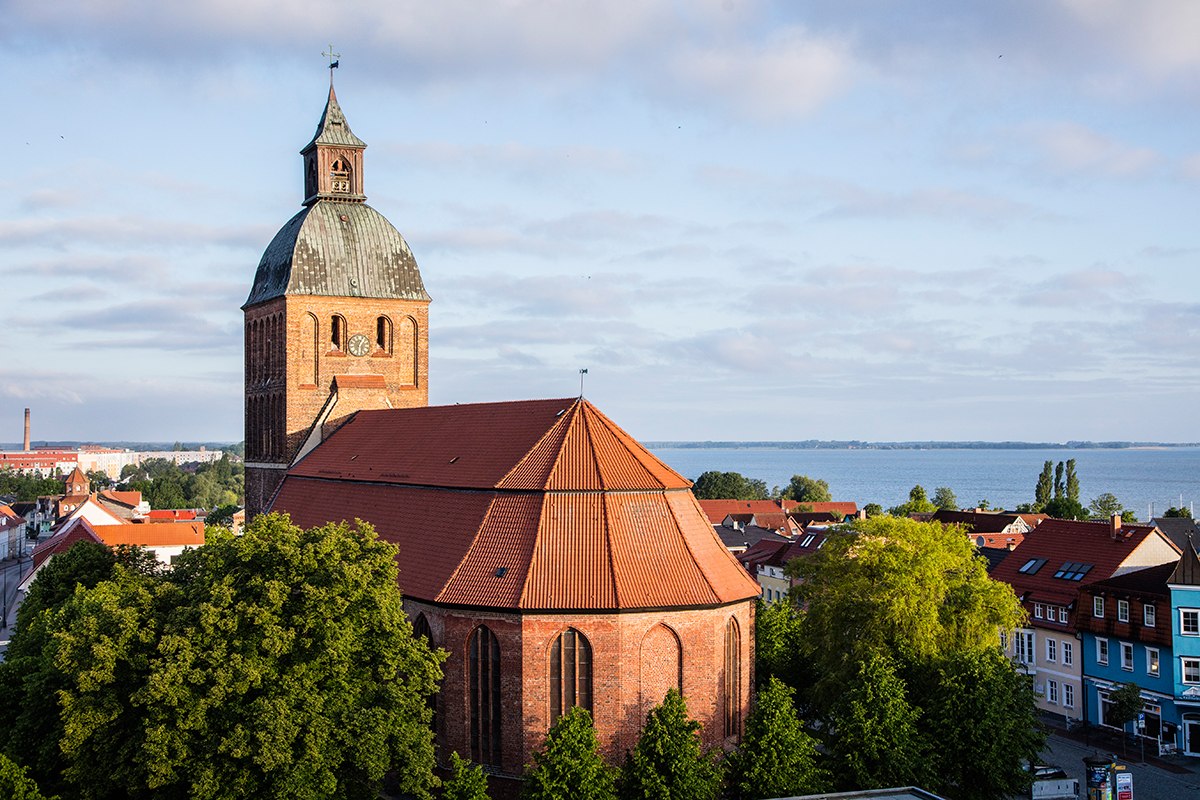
(290, 364)
(631, 660)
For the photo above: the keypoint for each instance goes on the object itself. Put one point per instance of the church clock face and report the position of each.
(358, 345)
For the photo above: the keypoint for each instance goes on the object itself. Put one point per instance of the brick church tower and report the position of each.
(337, 319)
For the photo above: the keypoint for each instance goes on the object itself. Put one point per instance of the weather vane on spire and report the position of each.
(333, 61)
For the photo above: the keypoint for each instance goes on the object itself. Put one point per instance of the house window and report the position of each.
(1024, 645)
(1189, 621)
(1152, 661)
(1062, 615)
(1004, 641)
(1122, 611)
(1068, 654)
(484, 670)
(337, 332)
(383, 334)
(570, 673)
(1068, 695)
(1102, 651)
(1191, 669)
(1097, 606)
(1038, 610)
(1052, 691)
(1051, 650)
(733, 679)
(1149, 615)
(1127, 656)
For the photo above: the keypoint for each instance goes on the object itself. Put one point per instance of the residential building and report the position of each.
(1184, 584)
(987, 528)
(1046, 572)
(1125, 622)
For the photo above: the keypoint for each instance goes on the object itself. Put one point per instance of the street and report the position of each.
(11, 573)
(1178, 779)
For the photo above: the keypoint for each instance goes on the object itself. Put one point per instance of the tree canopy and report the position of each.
(164, 484)
(944, 499)
(466, 781)
(715, 485)
(569, 765)
(667, 763)
(777, 757)
(1185, 513)
(276, 664)
(1103, 506)
(918, 503)
(804, 489)
(905, 589)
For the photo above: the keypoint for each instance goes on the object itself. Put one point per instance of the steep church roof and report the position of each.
(333, 127)
(533, 505)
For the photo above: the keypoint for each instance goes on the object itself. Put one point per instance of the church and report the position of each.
(556, 560)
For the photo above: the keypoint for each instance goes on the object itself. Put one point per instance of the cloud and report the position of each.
(1158, 34)
(1190, 167)
(789, 73)
(1067, 147)
(59, 233)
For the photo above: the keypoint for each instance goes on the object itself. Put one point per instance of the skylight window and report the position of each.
(1073, 571)
(1031, 566)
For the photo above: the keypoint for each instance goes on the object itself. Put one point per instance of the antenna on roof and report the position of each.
(582, 372)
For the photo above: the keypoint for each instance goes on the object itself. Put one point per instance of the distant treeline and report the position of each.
(236, 448)
(815, 444)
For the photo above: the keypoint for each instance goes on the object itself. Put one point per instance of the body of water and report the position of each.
(1005, 478)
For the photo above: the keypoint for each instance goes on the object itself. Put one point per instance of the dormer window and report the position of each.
(339, 176)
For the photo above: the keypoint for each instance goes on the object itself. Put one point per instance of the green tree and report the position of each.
(667, 763)
(16, 785)
(1065, 508)
(1185, 513)
(804, 489)
(980, 719)
(466, 782)
(873, 510)
(222, 516)
(777, 757)
(1058, 481)
(918, 503)
(877, 739)
(1125, 705)
(891, 586)
(715, 485)
(1044, 491)
(944, 499)
(1072, 488)
(1107, 504)
(278, 663)
(569, 763)
(777, 643)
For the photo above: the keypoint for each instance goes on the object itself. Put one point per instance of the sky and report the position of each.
(835, 219)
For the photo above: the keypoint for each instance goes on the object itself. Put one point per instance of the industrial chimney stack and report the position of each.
(27, 430)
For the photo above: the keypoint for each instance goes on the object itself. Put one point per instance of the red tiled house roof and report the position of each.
(1095, 548)
(718, 510)
(153, 534)
(532, 505)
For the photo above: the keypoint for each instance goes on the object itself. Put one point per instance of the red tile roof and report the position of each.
(130, 499)
(718, 510)
(542, 504)
(152, 534)
(176, 514)
(74, 531)
(1060, 542)
(980, 521)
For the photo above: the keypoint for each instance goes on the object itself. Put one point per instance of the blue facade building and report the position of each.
(1184, 584)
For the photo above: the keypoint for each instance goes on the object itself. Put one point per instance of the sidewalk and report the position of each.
(1106, 740)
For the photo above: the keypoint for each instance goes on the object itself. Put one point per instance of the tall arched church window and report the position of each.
(484, 678)
(570, 673)
(421, 628)
(383, 334)
(311, 339)
(732, 685)
(407, 347)
(337, 332)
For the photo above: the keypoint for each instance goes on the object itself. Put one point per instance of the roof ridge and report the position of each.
(564, 420)
(583, 405)
(633, 447)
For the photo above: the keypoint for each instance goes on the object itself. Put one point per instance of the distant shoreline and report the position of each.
(862, 445)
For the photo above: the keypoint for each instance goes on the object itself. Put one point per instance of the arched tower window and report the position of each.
(383, 334)
(339, 176)
(421, 628)
(337, 332)
(408, 346)
(312, 339)
(570, 673)
(732, 686)
(484, 678)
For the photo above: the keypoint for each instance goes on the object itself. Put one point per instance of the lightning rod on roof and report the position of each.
(582, 372)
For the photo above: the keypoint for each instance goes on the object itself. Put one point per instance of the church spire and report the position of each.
(333, 159)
